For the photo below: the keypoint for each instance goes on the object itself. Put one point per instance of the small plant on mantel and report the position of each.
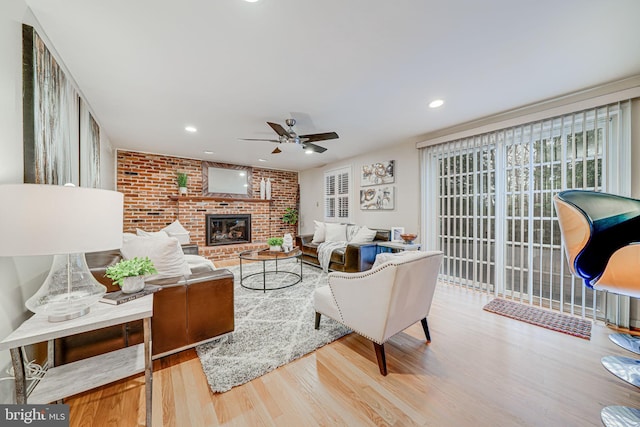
(290, 216)
(182, 179)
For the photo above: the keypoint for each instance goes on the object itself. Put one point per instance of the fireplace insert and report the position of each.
(228, 229)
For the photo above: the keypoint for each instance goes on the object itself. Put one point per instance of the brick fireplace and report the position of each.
(151, 203)
(227, 229)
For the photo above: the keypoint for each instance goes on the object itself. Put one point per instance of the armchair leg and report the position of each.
(425, 326)
(317, 320)
(382, 360)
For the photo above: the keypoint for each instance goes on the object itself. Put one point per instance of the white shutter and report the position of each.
(337, 195)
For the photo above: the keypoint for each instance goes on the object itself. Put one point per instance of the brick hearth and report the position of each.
(148, 182)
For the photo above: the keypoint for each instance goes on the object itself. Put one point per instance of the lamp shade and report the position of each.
(51, 219)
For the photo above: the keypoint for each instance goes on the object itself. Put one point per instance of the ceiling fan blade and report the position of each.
(276, 151)
(279, 129)
(258, 139)
(319, 136)
(314, 147)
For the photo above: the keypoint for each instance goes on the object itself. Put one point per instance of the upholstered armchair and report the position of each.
(383, 301)
(601, 234)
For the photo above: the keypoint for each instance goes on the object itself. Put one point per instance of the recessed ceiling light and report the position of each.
(190, 129)
(251, 1)
(261, 160)
(208, 152)
(436, 103)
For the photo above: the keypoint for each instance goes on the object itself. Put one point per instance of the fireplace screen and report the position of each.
(228, 229)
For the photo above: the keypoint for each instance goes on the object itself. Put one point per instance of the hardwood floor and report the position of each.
(481, 369)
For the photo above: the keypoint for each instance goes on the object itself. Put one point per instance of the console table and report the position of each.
(66, 380)
(397, 247)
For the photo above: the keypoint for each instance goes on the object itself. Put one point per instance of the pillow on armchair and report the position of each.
(165, 252)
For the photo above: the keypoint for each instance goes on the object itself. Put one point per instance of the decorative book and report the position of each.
(120, 297)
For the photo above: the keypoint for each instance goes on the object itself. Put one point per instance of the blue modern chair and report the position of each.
(601, 234)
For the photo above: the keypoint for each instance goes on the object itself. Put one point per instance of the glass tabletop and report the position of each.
(266, 254)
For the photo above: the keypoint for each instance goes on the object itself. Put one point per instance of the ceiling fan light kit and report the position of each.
(289, 138)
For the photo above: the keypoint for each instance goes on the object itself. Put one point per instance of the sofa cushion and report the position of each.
(319, 232)
(335, 232)
(363, 235)
(142, 233)
(175, 229)
(165, 252)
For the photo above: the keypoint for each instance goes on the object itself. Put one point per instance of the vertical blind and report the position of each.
(489, 203)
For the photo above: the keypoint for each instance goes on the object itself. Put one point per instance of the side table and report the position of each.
(397, 247)
(66, 380)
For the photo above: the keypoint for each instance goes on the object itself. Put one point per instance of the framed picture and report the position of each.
(378, 173)
(89, 149)
(381, 198)
(395, 234)
(50, 116)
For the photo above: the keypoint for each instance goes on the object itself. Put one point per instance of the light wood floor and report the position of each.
(481, 369)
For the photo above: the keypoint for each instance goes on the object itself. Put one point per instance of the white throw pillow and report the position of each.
(319, 232)
(335, 232)
(165, 252)
(363, 235)
(142, 233)
(175, 229)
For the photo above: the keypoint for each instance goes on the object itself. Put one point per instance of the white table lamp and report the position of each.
(64, 221)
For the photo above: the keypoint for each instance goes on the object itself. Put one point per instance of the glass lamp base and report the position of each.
(68, 291)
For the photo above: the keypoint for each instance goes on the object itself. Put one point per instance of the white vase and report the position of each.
(262, 188)
(183, 190)
(132, 284)
(275, 248)
(268, 189)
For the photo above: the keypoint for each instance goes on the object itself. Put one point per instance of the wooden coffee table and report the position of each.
(265, 255)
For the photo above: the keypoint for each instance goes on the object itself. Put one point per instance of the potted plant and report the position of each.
(275, 243)
(182, 178)
(290, 216)
(129, 273)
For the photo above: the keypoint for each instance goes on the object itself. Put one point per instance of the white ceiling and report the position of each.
(364, 68)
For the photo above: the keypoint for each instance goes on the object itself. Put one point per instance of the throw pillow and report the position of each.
(319, 233)
(363, 235)
(335, 232)
(165, 252)
(142, 233)
(175, 229)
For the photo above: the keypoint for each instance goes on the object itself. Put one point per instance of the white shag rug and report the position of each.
(271, 329)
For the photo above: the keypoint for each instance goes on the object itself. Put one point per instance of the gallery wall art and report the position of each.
(378, 173)
(53, 145)
(379, 198)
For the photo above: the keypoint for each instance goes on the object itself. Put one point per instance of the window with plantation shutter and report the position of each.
(337, 195)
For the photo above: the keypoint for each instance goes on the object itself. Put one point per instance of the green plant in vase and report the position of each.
(129, 273)
(182, 179)
(275, 243)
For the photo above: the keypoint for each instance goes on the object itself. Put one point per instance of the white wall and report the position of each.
(20, 277)
(407, 202)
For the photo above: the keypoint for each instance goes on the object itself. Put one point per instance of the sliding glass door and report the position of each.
(489, 203)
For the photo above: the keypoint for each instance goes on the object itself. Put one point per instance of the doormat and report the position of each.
(541, 317)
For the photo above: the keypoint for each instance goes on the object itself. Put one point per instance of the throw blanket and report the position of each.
(324, 253)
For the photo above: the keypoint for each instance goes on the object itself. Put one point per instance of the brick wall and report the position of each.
(148, 180)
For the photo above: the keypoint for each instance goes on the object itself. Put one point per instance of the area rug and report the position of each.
(271, 329)
(541, 317)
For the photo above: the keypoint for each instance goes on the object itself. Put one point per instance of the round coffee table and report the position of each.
(265, 255)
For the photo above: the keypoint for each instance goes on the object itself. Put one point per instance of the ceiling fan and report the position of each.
(290, 137)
